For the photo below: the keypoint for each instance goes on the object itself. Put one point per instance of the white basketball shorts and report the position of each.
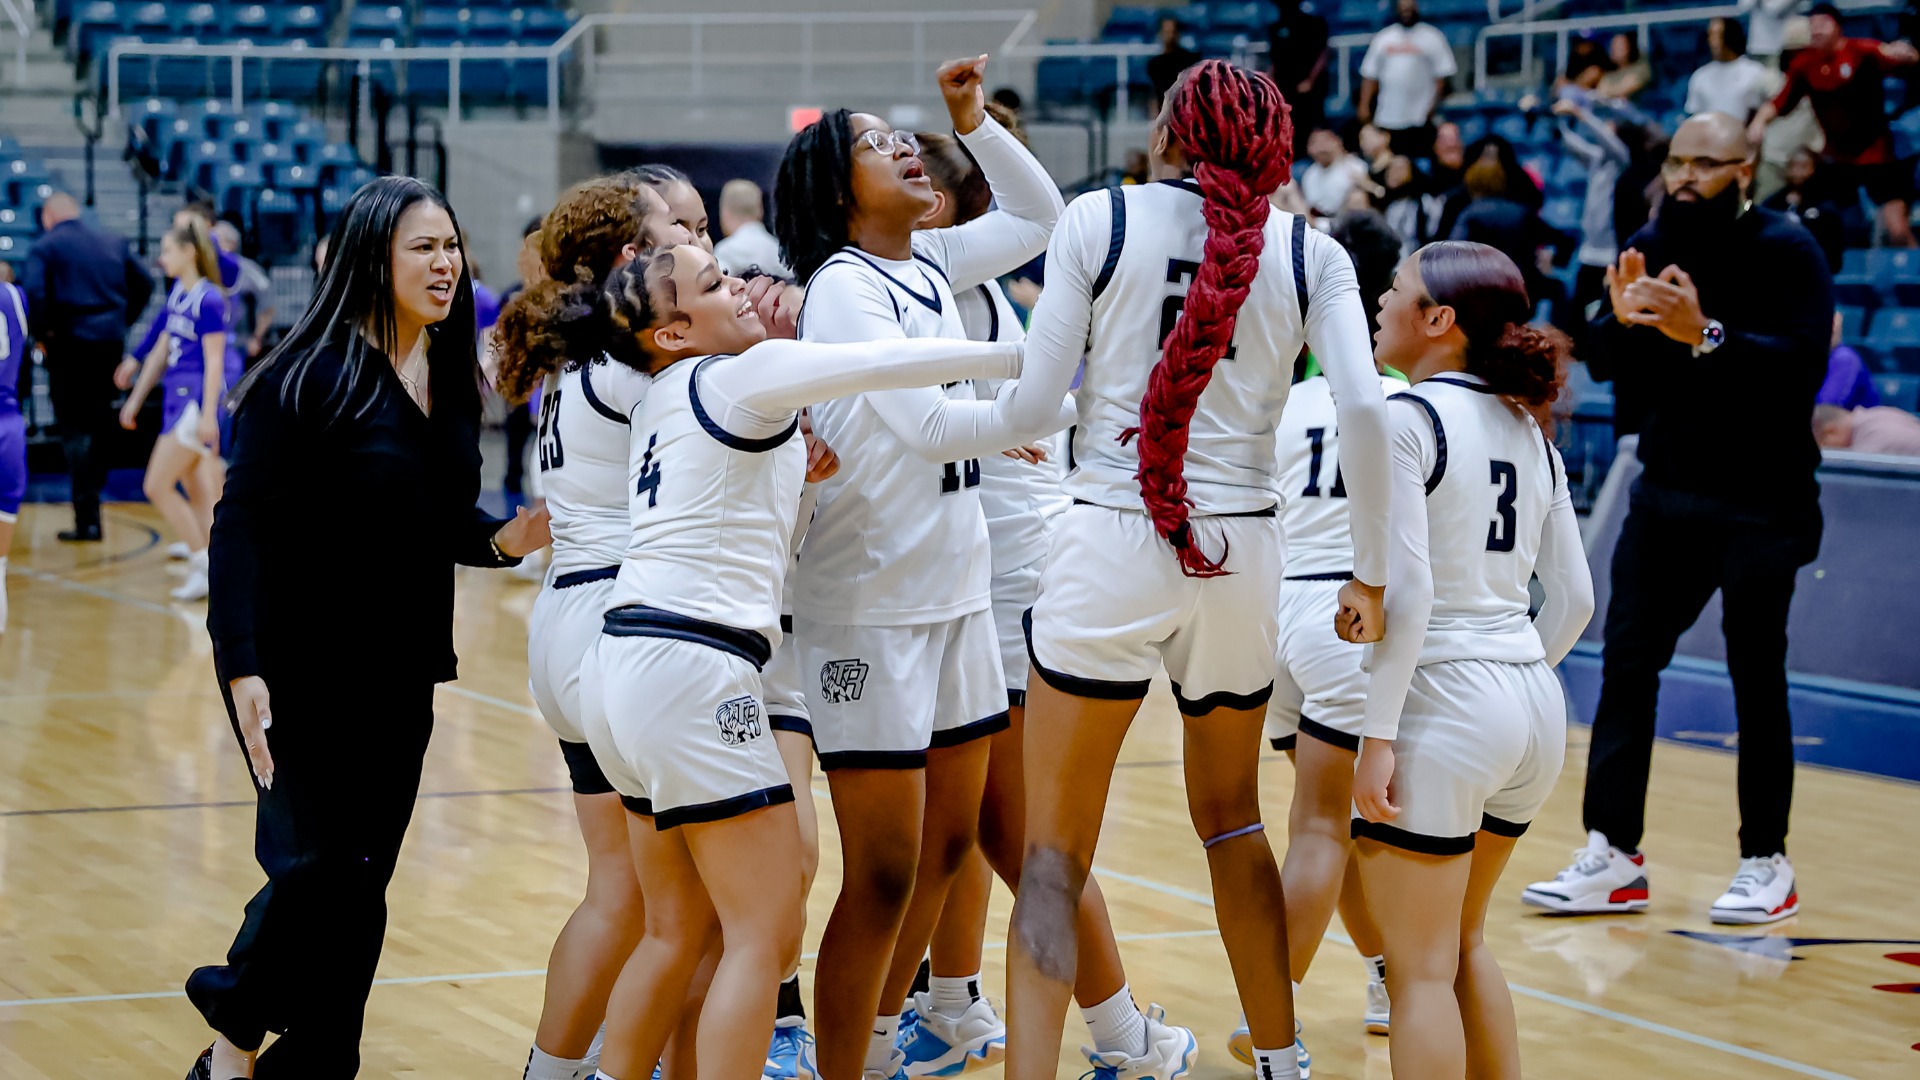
(679, 727)
(1114, 606)
(566, 621)
(888, 694)
(1013, 594)
(785, 690)
(1480, 747)
(1320, 690)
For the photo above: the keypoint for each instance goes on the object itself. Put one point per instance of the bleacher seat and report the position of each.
(1894, 337)
(1853, 322)
(1562, 213)
(1899, 391)
(1855, 284)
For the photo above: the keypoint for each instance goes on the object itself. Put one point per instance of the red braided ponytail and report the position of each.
(1235, 130)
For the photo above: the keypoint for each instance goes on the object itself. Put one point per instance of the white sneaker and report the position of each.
(195, 587)
(1240, 1045)
(178, 551)
(1762, 892)
(1379, 1008)
(940, 1045)
(1170, 1053)
(1602, 879)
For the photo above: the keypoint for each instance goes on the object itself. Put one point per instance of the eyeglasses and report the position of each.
(888, 143)
(1698, 166)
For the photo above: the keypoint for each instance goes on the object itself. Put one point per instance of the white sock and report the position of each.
(886, 1030)
(1116, 1025)
(1376, 968)
(953, 996)
(544, 1066)
(592, 1061)
(197, 560)
(1276, 1064)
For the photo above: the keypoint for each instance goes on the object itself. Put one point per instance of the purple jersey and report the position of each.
(13, 426)
(192, 313)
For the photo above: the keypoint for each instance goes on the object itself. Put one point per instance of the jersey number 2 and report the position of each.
(1500, 529)
(1178, 273)
(552, 454)
(951, 478)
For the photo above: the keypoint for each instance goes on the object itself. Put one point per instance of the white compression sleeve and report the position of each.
(1409, 602)
(1563, 573)
(757, 393)
(1337, 333)
(1027, 204)
(1057, 335)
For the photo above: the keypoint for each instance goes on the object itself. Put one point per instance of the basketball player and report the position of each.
(1319, 697)
(671, 691)
(585, 406)
(684, 205)
(14, 346)
(891, 599)
(1164, 521)
(1465, 718)
(192, 353)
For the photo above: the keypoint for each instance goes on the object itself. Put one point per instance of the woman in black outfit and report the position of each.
(372, 404)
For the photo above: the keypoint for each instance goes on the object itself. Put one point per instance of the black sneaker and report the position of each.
(81, 534)
(203, 1066)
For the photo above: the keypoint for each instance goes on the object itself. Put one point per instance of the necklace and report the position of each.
(413, 373)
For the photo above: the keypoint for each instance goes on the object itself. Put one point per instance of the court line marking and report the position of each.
(477, 976)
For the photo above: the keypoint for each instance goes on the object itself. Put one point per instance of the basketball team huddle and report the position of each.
(871, 519)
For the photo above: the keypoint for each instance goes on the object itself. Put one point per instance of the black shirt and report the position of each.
(83, 284)
(1734, 427)
(1294, 45)
(335, 541)
(1163, 70)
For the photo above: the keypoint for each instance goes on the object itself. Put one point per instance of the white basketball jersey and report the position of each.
(1319, 539)
(896, 540)
(712, 513)
(1491, 480)
(586, 414)
(1140, 277)
(1019, 498)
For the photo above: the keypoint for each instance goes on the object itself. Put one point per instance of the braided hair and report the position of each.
(813, 192)
(1235, 130)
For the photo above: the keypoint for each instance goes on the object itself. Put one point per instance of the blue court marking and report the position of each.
(1838, 724)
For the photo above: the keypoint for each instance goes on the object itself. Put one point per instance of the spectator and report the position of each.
(1640, 188)
(1007, 98)
(1297, 49)
(1447, 169)
(1510, 227)
(1704, 292)
(1403, 79)
(1376, 149)
(1332, 177)
(1876, 429)
(1375, 249)
(1842, 76)
(250, 301)
(1767, 28)
(1848, 384)
(1163, 70)
(1520, 185)
(1805, 200)
(748, 243)
(1631, 73)
(1583, 52)
(84, 288)
(1731, 82)
(1401, 204)
(1594, 144)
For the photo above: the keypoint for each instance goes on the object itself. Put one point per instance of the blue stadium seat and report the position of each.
(203, 22)
(306, 22)
(487, 26)
(1853, 322)
(1569, 175)
(1132, 21)
(1194, 18)
(151, 20)
(1245, 18)
(1855, 284)
(1899, 391)
(251, 21)
(377, 20)
(1062, 79)
(540, 26)
(441, 26)
(298, 79)
(1219, 45)
(1563, 213)
(1895, 337)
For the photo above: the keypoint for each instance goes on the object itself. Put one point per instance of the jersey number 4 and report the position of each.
(1500, 530)
(1179, 272)
(552, 454)
(958, 474)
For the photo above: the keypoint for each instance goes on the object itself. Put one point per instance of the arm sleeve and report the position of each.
(155, 328)
(1562, 570)
(1027, 204)
(1337, 334)
(757, 393)
(258, 481)
(1063, 317)
(1409, 602)
(1441, 54)
(1598, 137)
(1800, 322)
(1370, 63)
(1791, 91)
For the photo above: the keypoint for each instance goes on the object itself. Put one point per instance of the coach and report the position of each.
(1721, 317)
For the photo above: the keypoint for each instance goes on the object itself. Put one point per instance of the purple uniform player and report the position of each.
(192, 312)
(13, 426)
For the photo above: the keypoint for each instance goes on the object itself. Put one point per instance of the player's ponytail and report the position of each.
(1235, 130)
(1488, 295)
(579, 243)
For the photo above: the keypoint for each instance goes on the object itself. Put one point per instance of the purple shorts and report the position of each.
(13, 459)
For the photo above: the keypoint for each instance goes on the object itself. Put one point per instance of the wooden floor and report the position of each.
(125, 857)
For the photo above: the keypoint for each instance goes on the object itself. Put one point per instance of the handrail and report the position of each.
(24, 28)
(1562, 29)
(90, 133)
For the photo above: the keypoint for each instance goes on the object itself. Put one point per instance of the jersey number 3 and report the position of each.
(952, 478)
(552, 454)
(1500, 530)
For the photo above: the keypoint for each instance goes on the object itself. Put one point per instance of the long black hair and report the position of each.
(814, 192)
(353, 310)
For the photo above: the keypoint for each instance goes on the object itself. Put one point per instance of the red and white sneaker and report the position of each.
(1602, 880)
(1762, 892)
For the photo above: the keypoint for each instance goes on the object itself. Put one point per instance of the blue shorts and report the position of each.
(13, 461)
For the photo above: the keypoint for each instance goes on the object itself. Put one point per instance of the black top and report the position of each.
(1735, 426)
(1164, 69)
(335, 541)
(1294, 44)
(83, 284)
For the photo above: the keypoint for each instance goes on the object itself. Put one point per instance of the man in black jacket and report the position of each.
(1720, 320)
(84, 288)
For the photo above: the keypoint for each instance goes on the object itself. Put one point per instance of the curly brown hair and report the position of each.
(579, 242)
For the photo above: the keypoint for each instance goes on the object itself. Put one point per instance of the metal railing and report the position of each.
(1641, 22)
(22, 29)
(1122, 55)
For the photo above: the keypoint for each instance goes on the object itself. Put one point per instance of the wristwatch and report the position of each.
(1711, 338)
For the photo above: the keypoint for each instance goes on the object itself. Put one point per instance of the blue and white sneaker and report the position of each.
(805, 1068)
(1171, 1052)
(783, 1054)
(940, 1045)
(1240, 1045)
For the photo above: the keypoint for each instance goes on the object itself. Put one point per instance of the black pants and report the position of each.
(519, 430)
(346, 772)
(1665, 568)
(80, 383)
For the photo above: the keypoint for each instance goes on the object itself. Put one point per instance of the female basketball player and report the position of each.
(951, 1025)
(684, 206)
(671, 691)
(585, 409)
(14, 347)
(1170, 522)
(371, 401)
(891, 597)
(1465, 723)
(192, 354)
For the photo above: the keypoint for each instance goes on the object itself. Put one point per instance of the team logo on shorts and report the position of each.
(842, 681)
(739, 721)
